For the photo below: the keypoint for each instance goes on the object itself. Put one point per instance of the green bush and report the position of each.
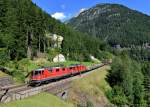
(4, 58)
(118, 97)
(90, 104)
(104, 55)
(52, 53)
(18, 75)
(78, 105)
(109, 95)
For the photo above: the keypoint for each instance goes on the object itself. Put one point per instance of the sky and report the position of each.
(65, 9)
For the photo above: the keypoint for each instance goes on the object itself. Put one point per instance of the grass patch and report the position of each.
(40, 100)
(67, 63)
(93, 82)
(2, 74)
(93, 86)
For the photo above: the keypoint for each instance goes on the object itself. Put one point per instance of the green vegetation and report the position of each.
(24, 29)
(96, 79)
(129, 30)
(78, 62)
(89, 104)
(114, 23)
(120, 26)
(146, 72)
(126, 80)
(2, 74)
(29, 65)
(20, 69)
(93, 85)
(41, 100)
(23, 36)
(3, 56)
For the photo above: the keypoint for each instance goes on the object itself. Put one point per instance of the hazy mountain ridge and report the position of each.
(114, 23)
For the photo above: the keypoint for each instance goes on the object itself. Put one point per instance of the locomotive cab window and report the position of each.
(57, 70)
(63, 69)
(42, 71)
(35, 73)
(50, 70)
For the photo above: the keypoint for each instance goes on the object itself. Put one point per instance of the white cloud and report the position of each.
(59, 15)
(80, 11)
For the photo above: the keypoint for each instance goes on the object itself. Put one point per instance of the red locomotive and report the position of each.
(44, 75)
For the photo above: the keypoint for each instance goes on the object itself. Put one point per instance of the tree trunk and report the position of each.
(39, 43)
(29, 47)
(29, 52)
(44, 44)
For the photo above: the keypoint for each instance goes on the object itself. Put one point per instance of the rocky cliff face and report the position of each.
(114, 23)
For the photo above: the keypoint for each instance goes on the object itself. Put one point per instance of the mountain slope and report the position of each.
(114, 23)
(24, 28)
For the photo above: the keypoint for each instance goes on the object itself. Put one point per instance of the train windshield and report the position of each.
(35, 73)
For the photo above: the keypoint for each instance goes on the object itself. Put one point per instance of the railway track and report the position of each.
(18, 92)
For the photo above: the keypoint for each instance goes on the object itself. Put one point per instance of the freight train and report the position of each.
(47, 74)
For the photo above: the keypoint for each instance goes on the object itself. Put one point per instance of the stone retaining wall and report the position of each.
(5, 81)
